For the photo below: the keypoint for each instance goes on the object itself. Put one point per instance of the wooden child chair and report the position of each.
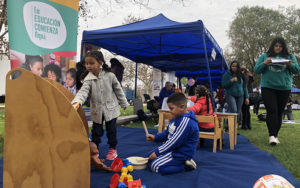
(218, 130)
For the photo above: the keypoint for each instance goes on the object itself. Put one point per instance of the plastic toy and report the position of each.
(130, 168)
(116, 165)
(126, 162)
(135, 184)
(114, 181)
(122, 185)
(124, 170)
(138, 163)
(124, 166)
(130, 178)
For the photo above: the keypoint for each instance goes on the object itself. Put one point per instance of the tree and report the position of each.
(145, 72)
(253, 29)
(293, 36)
(3, 29)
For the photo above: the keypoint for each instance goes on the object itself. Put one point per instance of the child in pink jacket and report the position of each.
(202, 106)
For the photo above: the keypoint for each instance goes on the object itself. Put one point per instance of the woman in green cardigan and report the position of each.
(276, 83)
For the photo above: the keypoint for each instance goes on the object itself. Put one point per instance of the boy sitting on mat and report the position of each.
(181, 139)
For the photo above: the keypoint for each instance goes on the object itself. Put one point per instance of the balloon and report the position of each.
(184, 81)
(191, 82)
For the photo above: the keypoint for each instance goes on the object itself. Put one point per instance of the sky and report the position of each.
(215, 14)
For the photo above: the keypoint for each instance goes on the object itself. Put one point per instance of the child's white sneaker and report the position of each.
(190, 165)
(272, 140)
(277, 140)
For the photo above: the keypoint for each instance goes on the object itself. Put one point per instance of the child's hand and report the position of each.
(150, 137)
(152, 156)
(76, 105)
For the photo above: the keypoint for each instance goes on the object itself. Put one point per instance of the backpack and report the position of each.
(262, 117)
(141, 115)
(254, 98)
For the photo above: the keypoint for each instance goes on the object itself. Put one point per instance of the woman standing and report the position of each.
(276, 83)
(236, 89)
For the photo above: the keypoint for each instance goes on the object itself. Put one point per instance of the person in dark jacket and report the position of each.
(165, 92)
(288, 109)
(80, 69)
(117, 68)
(246, 117)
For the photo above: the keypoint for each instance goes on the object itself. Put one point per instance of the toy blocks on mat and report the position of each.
(123, 166)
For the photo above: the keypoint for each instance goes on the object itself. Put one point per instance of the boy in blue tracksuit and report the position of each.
(181, 139)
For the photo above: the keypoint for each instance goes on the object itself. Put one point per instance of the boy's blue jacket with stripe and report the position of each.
(181, 137)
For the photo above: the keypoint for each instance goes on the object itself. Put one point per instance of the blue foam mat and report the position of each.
(227, 168)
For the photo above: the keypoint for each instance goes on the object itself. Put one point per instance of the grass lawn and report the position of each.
(287, 152)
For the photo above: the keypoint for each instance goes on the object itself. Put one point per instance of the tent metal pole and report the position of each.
(81, 52)
(135, 80)
(208, 69)
(162, 79)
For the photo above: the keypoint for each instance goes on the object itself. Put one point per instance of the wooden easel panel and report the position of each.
(46, 143)
(70, 97)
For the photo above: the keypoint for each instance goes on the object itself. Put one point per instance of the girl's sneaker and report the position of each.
(112, 154)
(272, 140)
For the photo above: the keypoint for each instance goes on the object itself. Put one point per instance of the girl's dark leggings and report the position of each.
(275, 101)
(111, 133)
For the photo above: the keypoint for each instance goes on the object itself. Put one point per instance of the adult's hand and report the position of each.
(246, 101)
(268, 61)
(234, 79)
(288, 63)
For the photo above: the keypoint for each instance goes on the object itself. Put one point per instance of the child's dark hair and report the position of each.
(202, 91)
(31, 60)
(99, 57)
(284, 53)
(55, 69)
(177, 99)
(72, 72)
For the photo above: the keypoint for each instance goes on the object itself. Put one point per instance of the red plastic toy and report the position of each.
(114, 182)
(135, 184)
(116, 165)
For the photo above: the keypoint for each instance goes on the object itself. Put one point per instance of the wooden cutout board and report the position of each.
(46, 143)
(70, 97)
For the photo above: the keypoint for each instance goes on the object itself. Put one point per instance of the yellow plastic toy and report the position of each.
(124, 170)
(130, 168)
(122, 177)
(130, 178)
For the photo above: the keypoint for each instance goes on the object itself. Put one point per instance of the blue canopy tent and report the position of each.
(162, 43)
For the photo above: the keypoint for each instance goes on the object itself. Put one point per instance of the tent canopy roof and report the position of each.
(161, 43)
